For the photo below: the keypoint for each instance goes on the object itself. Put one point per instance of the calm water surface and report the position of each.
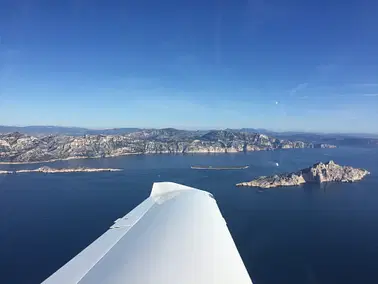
(309, 234)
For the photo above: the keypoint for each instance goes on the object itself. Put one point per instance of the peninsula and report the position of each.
(318, 173)
(48, 170)
(18, 148)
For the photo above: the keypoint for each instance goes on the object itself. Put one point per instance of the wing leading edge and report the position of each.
(176, 235)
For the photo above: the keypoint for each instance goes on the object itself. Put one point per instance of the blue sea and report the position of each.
(309, 234)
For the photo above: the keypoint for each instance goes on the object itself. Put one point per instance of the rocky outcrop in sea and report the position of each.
(21, 148)
(318, 173)
(48, 170)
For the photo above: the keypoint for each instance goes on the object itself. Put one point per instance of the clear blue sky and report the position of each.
(276, 64)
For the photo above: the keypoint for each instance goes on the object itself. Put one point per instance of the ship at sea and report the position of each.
(218, 168)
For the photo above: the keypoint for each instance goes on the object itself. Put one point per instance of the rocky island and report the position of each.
(49, 170)
(318, 173)
(17, 148)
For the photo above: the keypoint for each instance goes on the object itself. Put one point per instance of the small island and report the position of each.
(318, 173)
(218, 168)
(49, 170)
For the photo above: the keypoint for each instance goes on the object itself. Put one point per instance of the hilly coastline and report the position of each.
(16, 147)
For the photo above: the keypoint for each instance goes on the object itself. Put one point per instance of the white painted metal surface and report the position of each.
(177, 235)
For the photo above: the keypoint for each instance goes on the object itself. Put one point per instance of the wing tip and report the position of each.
(160, 188)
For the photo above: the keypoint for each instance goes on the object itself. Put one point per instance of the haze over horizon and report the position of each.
(258, 129)
(280, 65)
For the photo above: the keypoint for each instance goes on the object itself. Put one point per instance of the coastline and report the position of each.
(66, 159)
(114, 156)
(139, 153)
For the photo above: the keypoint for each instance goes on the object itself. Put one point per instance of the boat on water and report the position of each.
(218, 168)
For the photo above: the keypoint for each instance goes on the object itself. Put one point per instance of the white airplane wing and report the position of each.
(177, 235)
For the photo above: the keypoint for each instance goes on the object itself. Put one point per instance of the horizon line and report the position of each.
(192, 129)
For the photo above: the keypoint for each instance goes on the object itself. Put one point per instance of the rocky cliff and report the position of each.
(21, 148)
(318, 173)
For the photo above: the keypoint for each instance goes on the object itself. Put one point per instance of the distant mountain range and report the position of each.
(56, 130)
(344, 139)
